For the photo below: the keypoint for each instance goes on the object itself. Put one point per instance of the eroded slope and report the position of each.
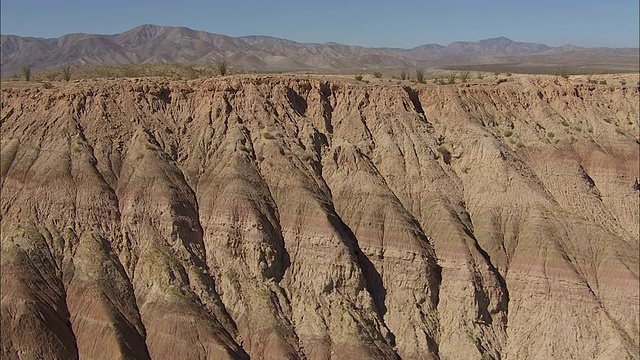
(276, 217)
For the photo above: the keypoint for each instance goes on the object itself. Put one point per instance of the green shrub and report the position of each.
(420, 75)
(450, 78)
(222, 67)
(26, 72)
(66, 73)
(464, 76)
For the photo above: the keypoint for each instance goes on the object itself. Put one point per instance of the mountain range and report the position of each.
(166, 44)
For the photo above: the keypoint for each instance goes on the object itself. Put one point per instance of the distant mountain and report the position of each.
(166, 44)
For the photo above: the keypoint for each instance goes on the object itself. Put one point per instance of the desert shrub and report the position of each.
(500, 81)
(358, 77)
(620, 131)
(403, 75)
(607, 120)
(480, 76)
(508, 133)
(450, 78)
(377, 74)
(260, 158)
(47, 85)
(66, 73)
(222, 67)
(464, 76)
(603, 82)
(26, 72)
(551, 135)
(267, 135)
(420, 75)
(564, 123)
(519, 144)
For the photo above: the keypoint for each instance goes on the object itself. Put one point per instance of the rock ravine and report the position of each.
(281, 217)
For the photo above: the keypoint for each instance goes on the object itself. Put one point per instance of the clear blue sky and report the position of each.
(589, 23)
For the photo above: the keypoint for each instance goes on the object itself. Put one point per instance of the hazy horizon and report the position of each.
(372, 24)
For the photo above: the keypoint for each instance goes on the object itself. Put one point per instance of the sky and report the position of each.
(374, 23)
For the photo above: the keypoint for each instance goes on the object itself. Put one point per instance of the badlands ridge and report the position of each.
(278, 217)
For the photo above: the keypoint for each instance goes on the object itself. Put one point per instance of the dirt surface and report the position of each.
(275, 217)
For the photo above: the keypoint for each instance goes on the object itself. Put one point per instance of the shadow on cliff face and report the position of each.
(372, 276)
(297, 102)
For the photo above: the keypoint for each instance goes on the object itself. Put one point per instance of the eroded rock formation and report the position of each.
(273, 217)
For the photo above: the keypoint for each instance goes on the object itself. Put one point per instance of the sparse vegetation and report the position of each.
(603, 82)
(480, 76)
(607, 120)
(420, 76)
(222, 67)
(564, 123)
(47, 85)
(508, 133)
(551, 135)
(358, 77)
(377, 74)
(464, 76)
(450, 78)
(267, 135)
(26, 72)
(66, 73)
(403, 75)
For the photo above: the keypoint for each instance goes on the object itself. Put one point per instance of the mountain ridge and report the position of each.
(177, 44)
